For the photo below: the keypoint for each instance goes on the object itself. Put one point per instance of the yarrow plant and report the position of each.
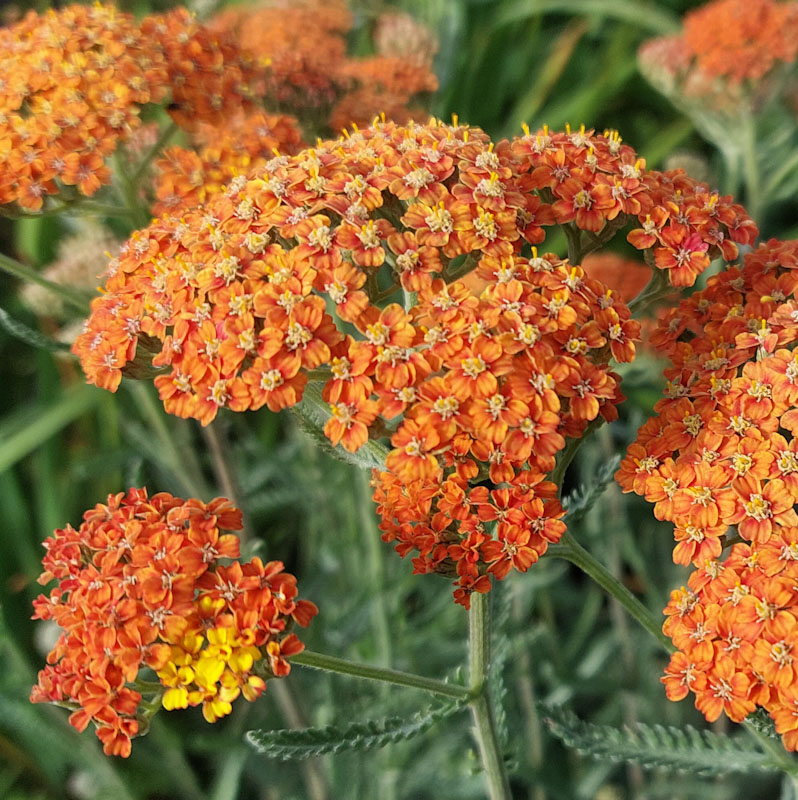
(455, 314)
(312, 74)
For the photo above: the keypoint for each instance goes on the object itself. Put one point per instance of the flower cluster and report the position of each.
(231, 296)
(714, 456)
(722, 452)
(742, 40)
(599, 184)
(285, 277)
(142, 588)
(736, 629)
(387, 84)
(311, 73)
(728, 53)
(511, 375)
(305, 42)
(75, 81)
(187, 178)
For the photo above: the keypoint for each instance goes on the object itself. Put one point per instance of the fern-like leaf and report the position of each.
(687, 749)
(313, 412)
(289, 745)
(583, 498)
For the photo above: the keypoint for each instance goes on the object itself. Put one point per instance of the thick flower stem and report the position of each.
(658, 287)
(308, 658)
(485, 729)
(572, 551)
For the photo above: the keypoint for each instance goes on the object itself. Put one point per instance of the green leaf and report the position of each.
(583, 498)
(685, 749)
(289, 745)
(22, 433)
(313, 413)
(647, 16)
(20, 330)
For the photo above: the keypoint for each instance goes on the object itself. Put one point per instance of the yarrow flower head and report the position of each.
(728, 53)
(742, 40)
(288, 275)
(152, 601)
(721, 450)
(75, 82)
(736, 629)
(189, 177)
(313, 76)
(722, 456)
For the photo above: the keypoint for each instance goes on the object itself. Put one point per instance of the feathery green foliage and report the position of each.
(658, 746)
(363, 735)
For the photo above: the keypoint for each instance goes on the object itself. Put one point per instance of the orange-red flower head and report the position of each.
(140, 585)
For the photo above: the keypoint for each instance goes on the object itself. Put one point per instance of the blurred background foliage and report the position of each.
(65, 445)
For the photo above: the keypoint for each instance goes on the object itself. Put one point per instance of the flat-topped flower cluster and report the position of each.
(729, 57)
(75, 82)
(288, 275)
(311, 73)
(721, 456)
(187, 177)
(144, 585)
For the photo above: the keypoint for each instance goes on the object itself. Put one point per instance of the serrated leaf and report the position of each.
(289, 745)
(313, 413)
(583, 498)
(687, 749)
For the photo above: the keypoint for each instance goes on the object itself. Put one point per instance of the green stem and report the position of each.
(481, 703)
(80, 208)
(566, 455)
(180, 461)
(572, 551)
(225, 474)
(751, 177)
(86, 208)
(658, 287)
(130, 192)
(76, 299)
(166, 134)
(469, 264)
(308, 658)
(574, 237)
